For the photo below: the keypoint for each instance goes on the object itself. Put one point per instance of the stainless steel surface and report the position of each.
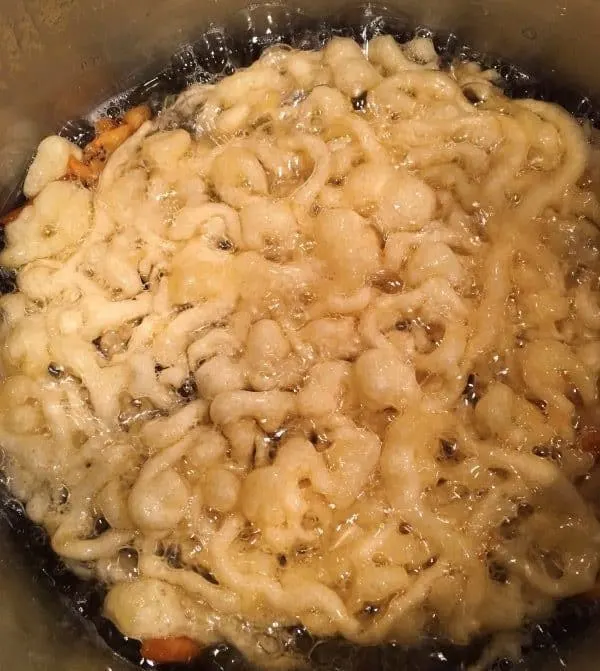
(59, 58)
(36, 632)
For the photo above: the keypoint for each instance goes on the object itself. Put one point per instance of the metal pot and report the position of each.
(61, 58)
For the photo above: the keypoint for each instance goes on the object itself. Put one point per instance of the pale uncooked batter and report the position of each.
(327, 360)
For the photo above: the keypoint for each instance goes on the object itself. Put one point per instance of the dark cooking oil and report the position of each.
(218, 53)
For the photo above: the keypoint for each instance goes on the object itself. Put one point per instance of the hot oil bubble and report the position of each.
(260, 27)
